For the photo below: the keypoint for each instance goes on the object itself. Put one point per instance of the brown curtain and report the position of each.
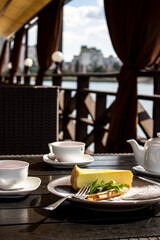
(49, 29)
(135, 34)
(3, 55)
(15, 52)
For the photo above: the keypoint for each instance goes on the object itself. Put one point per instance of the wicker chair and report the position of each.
(28, 119)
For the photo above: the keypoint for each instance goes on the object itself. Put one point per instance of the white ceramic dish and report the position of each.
(140, 169)
(147, 156)
(12, 172)
(67, 151)
(85, 160)
(61, 187)
(31, 184)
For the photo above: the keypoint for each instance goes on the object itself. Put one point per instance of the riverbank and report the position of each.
(148, 80)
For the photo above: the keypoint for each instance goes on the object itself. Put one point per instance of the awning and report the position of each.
(15, 13)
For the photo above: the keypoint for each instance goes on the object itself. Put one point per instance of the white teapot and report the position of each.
(149, 155)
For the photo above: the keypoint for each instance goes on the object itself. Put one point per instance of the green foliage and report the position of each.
(34, 68)
(96, 69)
(116, 67)
(102, 186)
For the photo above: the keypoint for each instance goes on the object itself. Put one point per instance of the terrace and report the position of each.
(33, 115)
(78, 110)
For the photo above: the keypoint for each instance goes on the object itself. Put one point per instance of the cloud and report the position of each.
(74, 17)
(100, 3)
(80, 16)
(85, 25)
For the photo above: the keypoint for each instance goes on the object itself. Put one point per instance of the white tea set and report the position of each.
(14, 179)
(67, 154)
(148, 156)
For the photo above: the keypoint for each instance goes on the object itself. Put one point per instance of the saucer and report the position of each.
(140, 169)
(85, 160)
(31, 184)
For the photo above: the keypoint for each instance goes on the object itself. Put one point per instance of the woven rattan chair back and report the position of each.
(28, 119)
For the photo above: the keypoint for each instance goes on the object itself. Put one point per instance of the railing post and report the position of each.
(27, 80)
(81, 128)
(56, 80)
(18, 79)
(1, 79)
(156, 107)
(66, 130)
(6, 78)
(98, 131)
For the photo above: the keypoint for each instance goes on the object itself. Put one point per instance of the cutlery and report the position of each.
(81, 194)
(149, 180)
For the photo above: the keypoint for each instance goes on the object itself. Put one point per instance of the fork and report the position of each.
(81, 194)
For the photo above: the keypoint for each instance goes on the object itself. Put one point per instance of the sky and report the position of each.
(84, 23)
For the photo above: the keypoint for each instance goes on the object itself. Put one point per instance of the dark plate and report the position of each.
(140, 195)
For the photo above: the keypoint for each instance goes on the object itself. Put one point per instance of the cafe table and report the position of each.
(25, 218)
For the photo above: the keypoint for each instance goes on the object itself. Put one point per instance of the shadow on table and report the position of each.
(72, 213)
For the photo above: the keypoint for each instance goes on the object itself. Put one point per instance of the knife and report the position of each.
(149, 180)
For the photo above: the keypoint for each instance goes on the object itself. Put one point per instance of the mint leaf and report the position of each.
(102, 186)
(96, 186)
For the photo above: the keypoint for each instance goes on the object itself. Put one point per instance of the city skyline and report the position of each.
(84, 23)
(89, 28)
(89, 48)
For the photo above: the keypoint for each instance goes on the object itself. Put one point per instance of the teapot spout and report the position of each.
(138, 152)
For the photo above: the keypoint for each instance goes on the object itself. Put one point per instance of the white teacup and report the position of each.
(12, 173)
(67, 151)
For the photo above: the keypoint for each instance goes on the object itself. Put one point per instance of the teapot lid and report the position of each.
(154, 140)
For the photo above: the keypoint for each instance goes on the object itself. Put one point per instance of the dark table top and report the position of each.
(24, 218)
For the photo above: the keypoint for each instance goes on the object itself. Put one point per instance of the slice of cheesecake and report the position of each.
(81, 176)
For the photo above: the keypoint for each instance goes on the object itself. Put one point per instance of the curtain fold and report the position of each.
(135, 35)
(49, 29)
(15, 52)
(3, 55)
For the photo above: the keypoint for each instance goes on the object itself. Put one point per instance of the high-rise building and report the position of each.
(88, 58)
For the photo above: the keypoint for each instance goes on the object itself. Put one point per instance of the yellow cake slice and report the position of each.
(82, 176)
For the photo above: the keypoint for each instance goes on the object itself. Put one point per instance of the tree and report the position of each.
(96, 68)
(116, 67)
(34, 68)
